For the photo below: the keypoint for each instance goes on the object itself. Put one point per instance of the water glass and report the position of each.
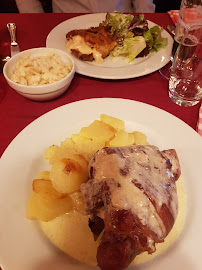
(190, 14)
(185, 84)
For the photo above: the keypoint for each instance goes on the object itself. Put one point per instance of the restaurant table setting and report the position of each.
(32, 32)
(137, 94)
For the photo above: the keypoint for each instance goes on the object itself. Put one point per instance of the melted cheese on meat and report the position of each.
(78, 43)
(148, 169)
(71, 234)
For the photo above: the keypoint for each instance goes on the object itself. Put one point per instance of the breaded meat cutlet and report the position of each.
(89, 44)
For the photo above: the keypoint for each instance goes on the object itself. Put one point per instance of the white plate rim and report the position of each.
(108, 70)
(190, 158)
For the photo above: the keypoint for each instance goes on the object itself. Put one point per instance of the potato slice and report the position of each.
(45, 189)
(44, 175)
(87, 147)
(50, 153)
(98, 131)
(81, 161)
(67, 143)
(65, 150)
(67, 175)
(131, 139)
(112, 121)
(122, 138)
(140, 138)
(40, 208)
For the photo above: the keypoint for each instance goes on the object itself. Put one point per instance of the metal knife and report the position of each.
(14, 45)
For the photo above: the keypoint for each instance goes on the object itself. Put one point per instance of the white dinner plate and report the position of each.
(112, 68)
(22, 244)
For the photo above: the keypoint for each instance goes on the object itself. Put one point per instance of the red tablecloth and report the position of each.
(17, 112)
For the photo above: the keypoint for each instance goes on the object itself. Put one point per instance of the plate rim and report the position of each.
(107, 99)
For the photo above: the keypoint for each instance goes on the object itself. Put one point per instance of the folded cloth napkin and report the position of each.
(174, 15)
(189, 15)
(199, 124)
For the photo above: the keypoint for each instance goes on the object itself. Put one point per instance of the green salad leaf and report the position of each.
(133, 35)
(130, 48)
(154, 39)
(141, 16)
(118, 22)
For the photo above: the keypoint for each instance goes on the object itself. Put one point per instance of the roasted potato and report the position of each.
(45, 189)
(66, 148)
(98, 131)
(86, 146)
(67, 175)
(41, 208)
(44, 175)
(112, 121)
(122, 138)
(57, 192)
(140, 138)
(50, 153)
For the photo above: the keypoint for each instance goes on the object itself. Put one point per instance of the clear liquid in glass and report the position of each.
(185, 84)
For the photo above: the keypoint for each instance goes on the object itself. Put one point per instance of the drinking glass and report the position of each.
(185, 84)
(190, 14)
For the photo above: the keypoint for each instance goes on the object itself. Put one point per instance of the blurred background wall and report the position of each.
(8, 6)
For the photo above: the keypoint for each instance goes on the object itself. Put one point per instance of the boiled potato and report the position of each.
(122, 138)
(68, 142)
(44, 175)
(87, 147)
(57, 192)
(51, 152)
(45, 189)
(140, 138)
(112, 121)
(66, 148)
(67, 175)
(81, 161)
(40, 208)
(98, 131)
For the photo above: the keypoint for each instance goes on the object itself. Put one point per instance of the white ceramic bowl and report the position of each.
(41, 92)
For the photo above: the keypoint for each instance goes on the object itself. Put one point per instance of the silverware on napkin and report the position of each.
(14, 45)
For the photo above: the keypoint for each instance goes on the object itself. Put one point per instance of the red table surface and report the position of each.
(16, 112)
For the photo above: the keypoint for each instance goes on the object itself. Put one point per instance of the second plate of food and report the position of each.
(111, 68)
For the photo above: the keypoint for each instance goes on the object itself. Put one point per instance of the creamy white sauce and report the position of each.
(78, 43)
(139, 203)
(147, 168)
(71, 234)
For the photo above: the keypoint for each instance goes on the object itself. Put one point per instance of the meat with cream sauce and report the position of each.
(132, 189)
